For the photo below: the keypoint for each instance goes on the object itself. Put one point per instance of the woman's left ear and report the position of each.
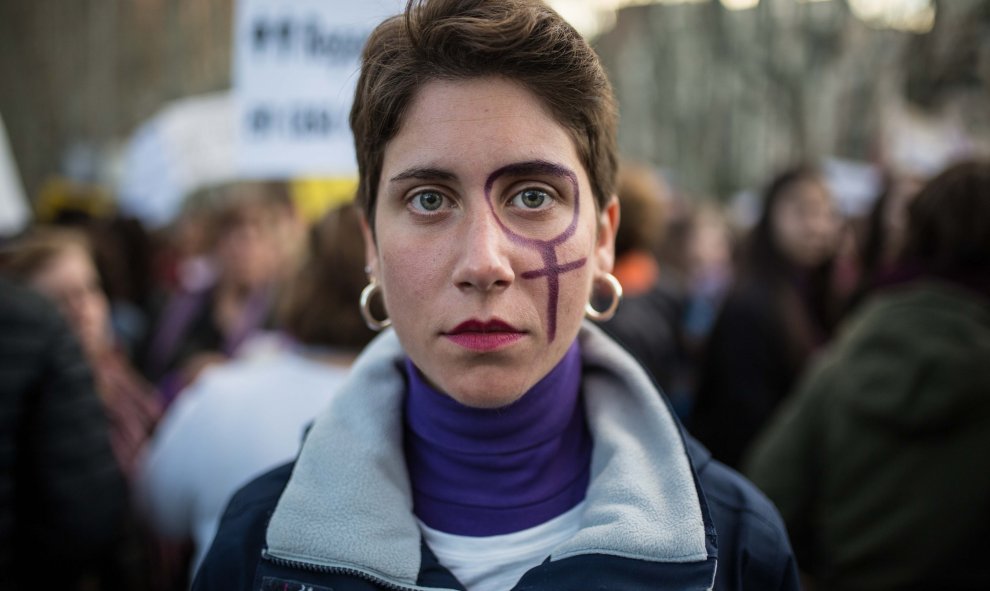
(608, 225)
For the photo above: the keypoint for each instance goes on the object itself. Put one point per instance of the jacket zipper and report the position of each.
(343, 570)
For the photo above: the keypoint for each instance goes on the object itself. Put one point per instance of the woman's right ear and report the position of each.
(370, 248)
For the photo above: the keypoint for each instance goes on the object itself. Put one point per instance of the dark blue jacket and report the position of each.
(753, 552)
(678, 520)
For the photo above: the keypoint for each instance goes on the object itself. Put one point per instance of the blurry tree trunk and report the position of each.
(724, 99)
(76, 76)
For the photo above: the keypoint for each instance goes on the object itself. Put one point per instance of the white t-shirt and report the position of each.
(496, 563)
(236, 422)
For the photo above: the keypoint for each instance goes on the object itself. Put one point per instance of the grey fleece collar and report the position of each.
(348, 503)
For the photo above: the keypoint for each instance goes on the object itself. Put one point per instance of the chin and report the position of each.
(478, 393)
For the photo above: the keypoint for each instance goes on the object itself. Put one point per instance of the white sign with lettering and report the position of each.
(295, 69)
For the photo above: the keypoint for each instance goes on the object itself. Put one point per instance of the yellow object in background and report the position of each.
(60, 198)
(314, 196)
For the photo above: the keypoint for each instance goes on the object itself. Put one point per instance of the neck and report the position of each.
(483, 472)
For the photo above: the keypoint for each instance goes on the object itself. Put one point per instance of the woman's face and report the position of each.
(71, 281)
(488, 239)
(806, 224)
(252, 249)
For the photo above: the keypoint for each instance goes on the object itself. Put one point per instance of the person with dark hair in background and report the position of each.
(246, 417)
(62, 494)
(878, 462)
(648, 324)
(490, 438)
(59, 264)
(774, 317)
(883, 236)
(254, 233)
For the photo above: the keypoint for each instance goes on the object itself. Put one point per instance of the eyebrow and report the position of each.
(532, 167)
(424, 173)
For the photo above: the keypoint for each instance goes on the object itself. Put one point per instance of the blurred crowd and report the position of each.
(842, 362)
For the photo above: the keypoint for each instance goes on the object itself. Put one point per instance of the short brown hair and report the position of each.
(27, 256)
(320, 305)
(521, 40)
(641, 194)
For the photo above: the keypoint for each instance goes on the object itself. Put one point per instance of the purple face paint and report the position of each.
(551, 269)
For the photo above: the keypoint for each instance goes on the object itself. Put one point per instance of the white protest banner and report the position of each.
(14, 213)
(295, 70)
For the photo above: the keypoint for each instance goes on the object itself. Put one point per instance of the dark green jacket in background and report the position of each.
(880, 463)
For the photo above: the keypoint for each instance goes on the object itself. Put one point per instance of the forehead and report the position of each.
(478, 122)
(69, 264)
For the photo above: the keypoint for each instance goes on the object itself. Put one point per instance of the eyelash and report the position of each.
(550, 200)
(448, 203)
(412, 201)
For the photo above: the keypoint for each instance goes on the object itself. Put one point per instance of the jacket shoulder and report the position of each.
(754, 551)
(233, 557)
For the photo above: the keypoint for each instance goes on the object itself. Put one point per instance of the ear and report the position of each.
(370, 248)
(608, 225)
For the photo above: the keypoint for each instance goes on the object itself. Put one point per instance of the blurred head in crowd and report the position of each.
(887, 223)
(638, 238)
(799, 224)
(708, 248)
(59, 264)
(320, 306)
(641, 198)
(256, 233)
(948, 225)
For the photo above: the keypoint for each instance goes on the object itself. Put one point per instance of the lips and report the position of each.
(488, 335)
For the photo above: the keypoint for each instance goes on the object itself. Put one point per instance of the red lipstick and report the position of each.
(484, 336)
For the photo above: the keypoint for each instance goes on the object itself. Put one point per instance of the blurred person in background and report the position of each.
(648, 324)
(879, 462)
(708, 245)
(59, 264)
(255, 236)
(883, 236)
(62, 495)
(775, 316)
(707, 242)
(246, 417)
(124, 255)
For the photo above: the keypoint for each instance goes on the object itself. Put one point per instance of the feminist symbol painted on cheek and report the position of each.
(552, 269)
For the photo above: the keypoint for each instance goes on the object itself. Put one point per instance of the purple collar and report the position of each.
(483, 472)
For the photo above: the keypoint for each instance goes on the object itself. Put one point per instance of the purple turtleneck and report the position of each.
(485, 472)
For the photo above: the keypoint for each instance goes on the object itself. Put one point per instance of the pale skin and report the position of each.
(806, 224)
(71, 281)
(485, 214)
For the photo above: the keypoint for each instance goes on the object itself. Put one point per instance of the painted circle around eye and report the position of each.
(429, 200)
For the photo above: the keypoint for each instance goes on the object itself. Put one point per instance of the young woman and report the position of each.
(775, 316)
(490, 439)
(59, 264)
(248, 416)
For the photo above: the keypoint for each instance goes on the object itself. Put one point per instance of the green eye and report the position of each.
(428, 201)
(532, 198)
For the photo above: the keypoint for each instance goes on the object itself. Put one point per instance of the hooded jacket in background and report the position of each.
(880, 464)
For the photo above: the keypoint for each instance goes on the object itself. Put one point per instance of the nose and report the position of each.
(483, 262)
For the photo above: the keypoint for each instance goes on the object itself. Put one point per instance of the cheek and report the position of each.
(576, 285)
(409, 282)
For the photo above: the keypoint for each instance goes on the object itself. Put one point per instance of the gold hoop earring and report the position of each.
(609, 312)
(366, 294)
